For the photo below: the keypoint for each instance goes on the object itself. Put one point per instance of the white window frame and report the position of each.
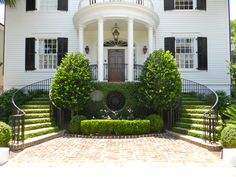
(37, 58)
(38, 6)
(195, 56)
(194, 6)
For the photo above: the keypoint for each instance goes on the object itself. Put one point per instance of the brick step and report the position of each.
(38, 115)
(37, 103)
(37, 120)
(184, 131)
(196, 107)
(193, 102)
(195, 111)
(37, 126)
(35, 107)
(192, 115)
(190, 126)
(31, 111)
(39, 132)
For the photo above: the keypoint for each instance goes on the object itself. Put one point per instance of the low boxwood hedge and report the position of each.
(228, 136)
(5, 134)
(115, 127)
(156, 123)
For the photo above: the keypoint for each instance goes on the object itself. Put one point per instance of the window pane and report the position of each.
(185, 52)
(183, 4)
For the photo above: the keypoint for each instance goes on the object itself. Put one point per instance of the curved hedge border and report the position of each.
(115, 127)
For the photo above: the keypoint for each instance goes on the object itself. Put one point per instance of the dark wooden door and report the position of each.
(116, 65)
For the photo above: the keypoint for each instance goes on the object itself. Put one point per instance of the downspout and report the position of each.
(229, 30)
(4, 44)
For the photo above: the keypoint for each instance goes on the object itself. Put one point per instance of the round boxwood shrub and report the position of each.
(228, 136)
(74, 126)
(72, 84)
(160, 81)
(5, 134)
(156, 123)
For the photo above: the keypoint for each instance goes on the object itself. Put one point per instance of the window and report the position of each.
(47, 54)
(184, 52)
(48, 5)
(183, 4)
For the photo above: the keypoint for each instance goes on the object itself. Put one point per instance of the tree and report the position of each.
(10, 3)
(72, 84)
(160, 81)
(233, 39)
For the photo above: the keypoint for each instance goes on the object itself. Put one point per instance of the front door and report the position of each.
(116, 65)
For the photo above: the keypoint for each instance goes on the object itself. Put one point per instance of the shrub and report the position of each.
(98, 101)
(72, 84)
(74, 126)
(117, 127)
(224, 101)
(156, 123)
(5, 134)
(160, 81)
(6, 107)
(230, 111)
(228, 136)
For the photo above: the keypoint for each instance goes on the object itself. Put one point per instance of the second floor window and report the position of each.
(47, 54)
(183, 4)
(48, 5)
(184, 52)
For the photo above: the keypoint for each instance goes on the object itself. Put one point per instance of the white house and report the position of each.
(117, 36)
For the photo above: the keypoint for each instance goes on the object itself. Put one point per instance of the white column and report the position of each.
(130, 50)
(100, 48)
(150, 39)
(81, 38)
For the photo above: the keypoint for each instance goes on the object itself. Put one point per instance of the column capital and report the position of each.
(81, 26)
(130, 20)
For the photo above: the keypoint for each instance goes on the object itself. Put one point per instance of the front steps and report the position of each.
(191, 122)
(37, 118)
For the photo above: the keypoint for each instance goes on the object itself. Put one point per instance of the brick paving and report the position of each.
(160, 151)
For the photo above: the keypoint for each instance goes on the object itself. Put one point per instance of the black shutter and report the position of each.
(202, 53)
(62, 49)
(63, 5)
(30, 5)
(29, 54)
(201, 4)
(169, 4)
(170, 45)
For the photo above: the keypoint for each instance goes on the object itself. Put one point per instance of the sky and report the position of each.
(232, 9)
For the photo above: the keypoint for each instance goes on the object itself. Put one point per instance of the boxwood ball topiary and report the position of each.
(5, 134)
(156, 123)
(228, 136)
(160, 81)
(72, 84)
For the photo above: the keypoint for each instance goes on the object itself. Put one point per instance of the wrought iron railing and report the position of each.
(145, 3)
(137, 71)
(209, 96)
(94, 69)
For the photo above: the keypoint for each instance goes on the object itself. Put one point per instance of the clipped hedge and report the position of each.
(156, 123)
(115, 127)
(5, 134)
(74, 126)
(228, 137)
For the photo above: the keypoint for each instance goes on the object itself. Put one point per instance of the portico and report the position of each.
(116, 58)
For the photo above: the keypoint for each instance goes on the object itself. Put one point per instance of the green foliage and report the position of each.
(230, 111)
(5, 134)
(228, 136)
(160, 84)
(115, 127)
(10, 3)
(72, 84)
(6, 107)
(74, 126)
(156, 123)
(233, 33)
(232, 69)
(224, 101)
(98, 102)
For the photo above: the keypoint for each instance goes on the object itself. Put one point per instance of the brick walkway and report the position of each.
(158, 151)
(149, 156)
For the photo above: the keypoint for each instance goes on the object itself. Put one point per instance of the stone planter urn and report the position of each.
(229, 156)
(4, 155)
